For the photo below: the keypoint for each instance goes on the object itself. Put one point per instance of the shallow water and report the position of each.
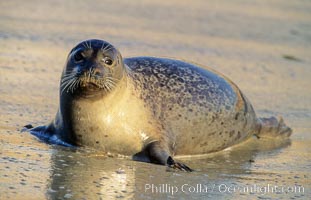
(263, 46)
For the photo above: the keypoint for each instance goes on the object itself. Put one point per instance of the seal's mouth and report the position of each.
(90, 85)
(91, 80)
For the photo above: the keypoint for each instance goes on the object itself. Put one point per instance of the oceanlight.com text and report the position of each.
(223, 188)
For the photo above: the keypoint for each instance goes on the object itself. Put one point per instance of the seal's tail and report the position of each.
(273, 127)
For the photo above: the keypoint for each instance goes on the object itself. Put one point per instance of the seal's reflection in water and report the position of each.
(235, 167)
(239, 158)
(86, 174)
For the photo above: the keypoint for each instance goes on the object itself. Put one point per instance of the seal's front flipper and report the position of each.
(46, 134)
(158, 154)
(176, 165)
(40, 132)
(27, 127)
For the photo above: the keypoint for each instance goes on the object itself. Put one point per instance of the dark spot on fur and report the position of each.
(180, 80)
(189, 85)
(213, 133)
(222, 123)
(106, 135)
(213, 119)
(239, 135)
(245, 122)
(236, 116)
(204, 144)
(79, 135)
(97, 142)
(231, 133)
(220, 133)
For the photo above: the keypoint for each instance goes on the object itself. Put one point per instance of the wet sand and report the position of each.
(263, 46)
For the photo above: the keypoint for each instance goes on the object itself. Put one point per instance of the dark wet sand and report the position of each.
(263, 46)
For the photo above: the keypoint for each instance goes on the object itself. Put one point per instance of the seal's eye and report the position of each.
(78, 56)
(108, 61)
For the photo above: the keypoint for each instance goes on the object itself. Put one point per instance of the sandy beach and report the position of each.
(262, 46)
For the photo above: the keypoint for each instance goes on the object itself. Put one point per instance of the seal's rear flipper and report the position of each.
(273, 127)
(155, 153)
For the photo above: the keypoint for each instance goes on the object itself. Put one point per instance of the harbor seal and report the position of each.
(150, 108)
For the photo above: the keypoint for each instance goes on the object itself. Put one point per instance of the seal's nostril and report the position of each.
(97, 72)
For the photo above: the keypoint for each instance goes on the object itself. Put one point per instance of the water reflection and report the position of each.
(240, 158)
(86, 174)
(89, 175)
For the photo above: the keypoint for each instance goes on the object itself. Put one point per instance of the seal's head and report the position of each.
(93, 67)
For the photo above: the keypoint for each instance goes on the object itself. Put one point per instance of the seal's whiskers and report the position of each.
(66, 85)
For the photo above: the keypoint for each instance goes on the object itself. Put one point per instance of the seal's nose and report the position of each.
(97, 72)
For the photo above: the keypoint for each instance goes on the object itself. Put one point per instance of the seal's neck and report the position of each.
(71, 107)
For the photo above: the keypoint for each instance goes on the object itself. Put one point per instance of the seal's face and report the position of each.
(93, 67)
